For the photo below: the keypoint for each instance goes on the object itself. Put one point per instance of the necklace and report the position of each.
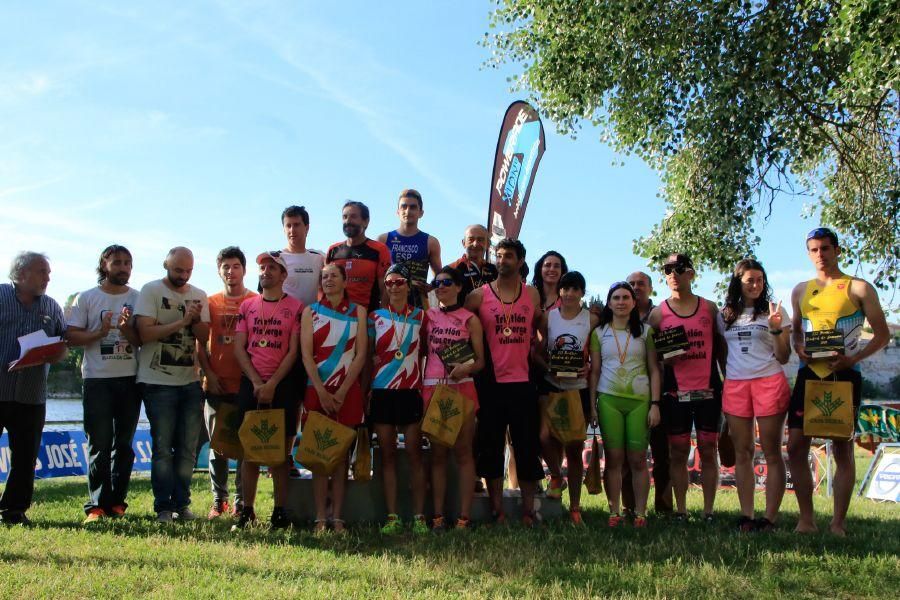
(398, 338)
(621, 371)
(232, 312)
(507, 314)
(264, 341)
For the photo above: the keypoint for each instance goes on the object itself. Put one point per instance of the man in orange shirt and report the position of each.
(364, 260)
(221, 369)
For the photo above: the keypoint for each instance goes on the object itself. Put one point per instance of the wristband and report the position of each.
(776, 331)
(654, 403)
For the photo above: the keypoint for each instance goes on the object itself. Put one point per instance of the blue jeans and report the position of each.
(112, 407)
(175, 413)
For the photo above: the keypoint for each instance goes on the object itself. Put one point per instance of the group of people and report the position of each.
(357, 333)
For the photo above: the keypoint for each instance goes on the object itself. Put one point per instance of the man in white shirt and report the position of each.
(303, 264)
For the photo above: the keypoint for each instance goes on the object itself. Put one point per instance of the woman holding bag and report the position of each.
(565, 328)
(449, 324)
(626, 374)
(333, 345)
(755, 386)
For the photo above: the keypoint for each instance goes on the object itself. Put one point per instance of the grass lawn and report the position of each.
(135, 557)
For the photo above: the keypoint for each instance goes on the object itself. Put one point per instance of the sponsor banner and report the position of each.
(64, 453)
(519, 150)
(885, 483)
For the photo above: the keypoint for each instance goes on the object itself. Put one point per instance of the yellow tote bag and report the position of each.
(593, 479)
(564, 416)
(828, 410)
(324, 444)
(362, 456)
(262, 437)
(446, 414)
(225, 439)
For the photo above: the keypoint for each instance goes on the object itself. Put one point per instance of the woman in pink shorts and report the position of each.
(755, 386)
(449, 324)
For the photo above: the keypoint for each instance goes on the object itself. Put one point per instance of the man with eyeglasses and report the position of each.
(642, 285)
(412, 247)
(692, 389)
(303, 264)
(840, 302)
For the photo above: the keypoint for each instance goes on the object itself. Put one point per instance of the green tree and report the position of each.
(735, 103)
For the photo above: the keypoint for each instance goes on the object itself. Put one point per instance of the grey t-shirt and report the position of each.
(112, 355)
(171, 360)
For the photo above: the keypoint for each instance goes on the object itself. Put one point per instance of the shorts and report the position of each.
(286, 398)
(513, 406)
(395, 407)
(757, 397)
(546, 388)
(681, 417)
(795, 411)
(351, 411)
(623, 422)
(466, 388)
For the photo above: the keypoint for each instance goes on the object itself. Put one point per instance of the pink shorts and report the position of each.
(759, 397)
(466, 388)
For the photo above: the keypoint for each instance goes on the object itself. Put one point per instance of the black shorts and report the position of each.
(681, 417)
(395, 407)
(795, 410)
(546, 388)
(287, 397)
(512, 405)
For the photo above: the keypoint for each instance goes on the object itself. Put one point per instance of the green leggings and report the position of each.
(623, 421)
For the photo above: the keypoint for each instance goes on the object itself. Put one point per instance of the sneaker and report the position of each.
(555, 489)
(279, 518)
(746, 525)
(575, 517)
(679, 517)
(185, 514)
(463, 523)
(117, 511)
(393, 526)
(499, 518)
(528, 520)
(219, 508)
(764, 525)
(708, 518)
(438, 525)
(236, 509)
(615, 521)
(419, 525)
(165, 516)
(93, 515)
(247, 518)
(11, 519)
(640, 521)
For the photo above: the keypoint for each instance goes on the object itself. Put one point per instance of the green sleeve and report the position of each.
(651, 346)
(595, 340)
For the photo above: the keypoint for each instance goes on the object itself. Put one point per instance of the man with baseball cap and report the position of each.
(266, 346)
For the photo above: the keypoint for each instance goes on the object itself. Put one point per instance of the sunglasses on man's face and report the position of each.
(442, 283)
(392, 283)
(678, 269)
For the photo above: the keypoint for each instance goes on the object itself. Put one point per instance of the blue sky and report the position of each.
(172, 123)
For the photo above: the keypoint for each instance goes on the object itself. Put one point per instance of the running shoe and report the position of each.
(164, 516)
(763, 524)
(185, 514)
(679, 517)
(279, 518)
(708, 518)
(247, 518)
(93, 515)
(640, 521)
(219, 508)
(236, 509)
(463, 523)
(438, 525)
(419, 525)
(393, 526)
(528, 520)
(746, 525)
(117, 511)
(556, 487)
(615, 521)
(575, 517)
(499, 518)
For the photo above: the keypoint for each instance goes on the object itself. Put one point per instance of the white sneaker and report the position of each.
(186, 514)
(164, 516)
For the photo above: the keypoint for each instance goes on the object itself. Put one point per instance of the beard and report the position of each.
(176, 282)
(119, 278)
(351, 230)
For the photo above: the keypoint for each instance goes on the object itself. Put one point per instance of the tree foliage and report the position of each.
(735, 103)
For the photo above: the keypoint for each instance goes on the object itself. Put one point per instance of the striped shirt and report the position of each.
(28, 386)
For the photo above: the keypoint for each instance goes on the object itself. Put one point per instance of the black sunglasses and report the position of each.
(442, 283)
(679, 269)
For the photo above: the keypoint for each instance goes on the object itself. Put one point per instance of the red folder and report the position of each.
(38, 355)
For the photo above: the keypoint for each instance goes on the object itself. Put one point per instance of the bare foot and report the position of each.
(805, 527)
(837, 530)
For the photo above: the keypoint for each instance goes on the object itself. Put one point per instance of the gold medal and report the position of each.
(621, 372)
(507, 331)
(398, 355)
(263, 343)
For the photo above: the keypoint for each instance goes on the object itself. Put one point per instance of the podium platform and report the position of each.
(364, 500)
